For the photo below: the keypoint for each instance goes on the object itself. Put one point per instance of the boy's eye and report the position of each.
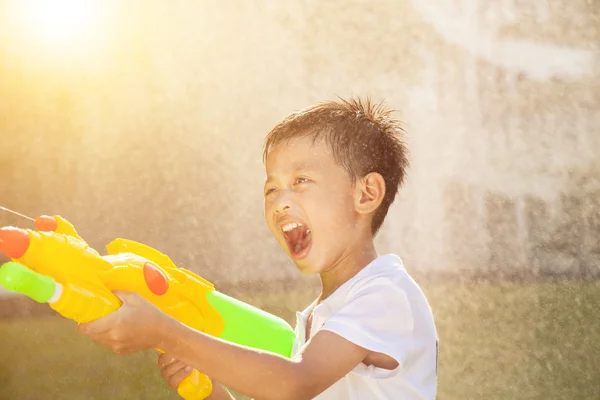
(268, 191)
(302, 180)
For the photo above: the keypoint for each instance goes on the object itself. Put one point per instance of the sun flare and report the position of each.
(57, 20)
(59, 23)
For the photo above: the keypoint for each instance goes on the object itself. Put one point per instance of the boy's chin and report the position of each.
(306, 267)
(306, 270)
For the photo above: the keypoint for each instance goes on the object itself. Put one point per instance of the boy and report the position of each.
(333, 170)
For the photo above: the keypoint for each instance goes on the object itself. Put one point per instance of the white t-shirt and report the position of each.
(381, 309)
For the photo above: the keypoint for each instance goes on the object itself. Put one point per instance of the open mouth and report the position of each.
(298, 237)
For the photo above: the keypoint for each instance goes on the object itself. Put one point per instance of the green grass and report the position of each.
(497, 341)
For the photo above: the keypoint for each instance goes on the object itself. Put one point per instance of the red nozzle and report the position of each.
(45, 223)
(14, 242)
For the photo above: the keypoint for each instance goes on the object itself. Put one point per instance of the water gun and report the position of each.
(53, 264)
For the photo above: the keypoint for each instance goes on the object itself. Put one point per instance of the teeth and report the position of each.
(289, 226)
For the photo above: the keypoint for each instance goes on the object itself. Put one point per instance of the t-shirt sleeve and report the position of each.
(378, 317)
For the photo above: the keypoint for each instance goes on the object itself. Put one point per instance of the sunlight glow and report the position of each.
(57, 20)
(59, 24)
(47, 34)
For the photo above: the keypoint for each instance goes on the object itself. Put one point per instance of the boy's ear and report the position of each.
(370, 193)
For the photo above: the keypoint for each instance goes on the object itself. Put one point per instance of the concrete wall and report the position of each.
(154, 133)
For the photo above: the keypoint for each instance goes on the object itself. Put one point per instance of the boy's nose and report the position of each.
(282, 208)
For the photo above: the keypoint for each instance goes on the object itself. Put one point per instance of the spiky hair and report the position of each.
(363, 137)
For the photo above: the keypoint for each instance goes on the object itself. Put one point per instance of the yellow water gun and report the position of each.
(54, 265)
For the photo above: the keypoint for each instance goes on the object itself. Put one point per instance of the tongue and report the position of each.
(300, 240)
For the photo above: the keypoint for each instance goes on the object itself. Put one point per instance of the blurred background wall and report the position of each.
(148, 124)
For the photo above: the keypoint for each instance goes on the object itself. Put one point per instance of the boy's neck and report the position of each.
(349, 264)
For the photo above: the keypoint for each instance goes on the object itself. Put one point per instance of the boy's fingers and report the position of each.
(165, 359)
(125, 297)
(168, 371)
(176, 378)
(94, 327)
(101, 325)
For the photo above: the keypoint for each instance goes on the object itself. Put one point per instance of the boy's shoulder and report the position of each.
(383, 289)
(385, 273)
(383, 282)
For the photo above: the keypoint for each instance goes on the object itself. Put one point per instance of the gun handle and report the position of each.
(196, 386)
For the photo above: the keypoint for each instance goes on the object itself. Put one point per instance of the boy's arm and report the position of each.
(326, 358)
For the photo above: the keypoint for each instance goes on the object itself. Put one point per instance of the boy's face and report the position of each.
(309, 203)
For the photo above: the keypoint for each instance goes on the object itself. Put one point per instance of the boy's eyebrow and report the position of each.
(302, 165)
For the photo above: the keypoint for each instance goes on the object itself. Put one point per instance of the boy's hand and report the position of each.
(172, 370)
(136, 326)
